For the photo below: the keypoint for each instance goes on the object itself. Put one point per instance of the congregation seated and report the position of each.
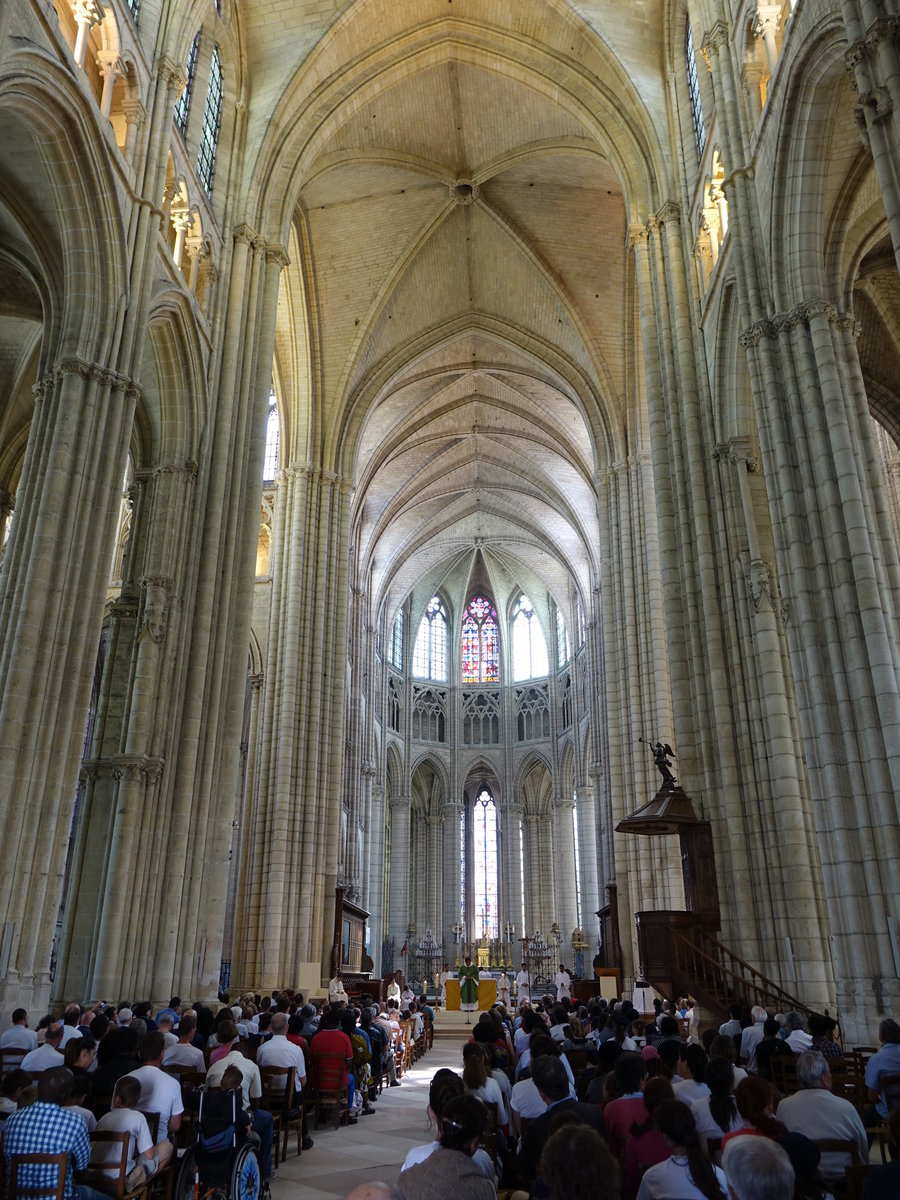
(184, 1053)
(47, 1055)
(815, 1112)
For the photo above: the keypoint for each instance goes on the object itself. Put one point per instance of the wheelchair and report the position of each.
(219, 1166)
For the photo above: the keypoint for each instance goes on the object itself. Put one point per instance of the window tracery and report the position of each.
(183, 103)
(480, 642)
(430, 652)
(396, 652)
(562, 639)
(273, 428)
(393, 704)
(532, 713)
(693, 84)
(481, 719)
(429, 714)
(529, 649)
(212, 119)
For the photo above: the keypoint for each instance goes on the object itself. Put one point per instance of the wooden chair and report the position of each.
(278, 1099)
(327, 1091)
(99, 1179)
(855, 1180)
(397, 1043)
(18, 1191)
(488, 1140)
(838, 1184)
(890, 1089)
(850, 1087)
(11, 1059)
(784, 1074)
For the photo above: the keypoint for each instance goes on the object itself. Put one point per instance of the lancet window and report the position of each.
(396, 654)
(430, 653)
(183, 104)
(480, 642)
(529, 649)
(212, 119)
(693, 83)
(273, 429)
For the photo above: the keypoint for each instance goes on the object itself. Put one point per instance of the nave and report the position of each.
(376, 1147)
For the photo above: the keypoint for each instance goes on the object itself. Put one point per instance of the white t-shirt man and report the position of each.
(251, 1083)
(183, 1054)
(279, 1052)
(817, 1113)
(43, 1059)
(19, 1037)
(160, 1093)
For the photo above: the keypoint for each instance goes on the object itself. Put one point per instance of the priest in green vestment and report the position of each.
(468, 987)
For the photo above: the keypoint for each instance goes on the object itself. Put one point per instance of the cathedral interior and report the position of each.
(409, 410)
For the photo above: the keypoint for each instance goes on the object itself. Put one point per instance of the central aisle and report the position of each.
(375, 1147)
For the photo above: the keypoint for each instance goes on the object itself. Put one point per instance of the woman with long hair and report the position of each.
(755, 1101)
(645, 1146)
(717, 1113)
(688, 1173)
(479, 1082)
(452, 1166)
(446, 1086)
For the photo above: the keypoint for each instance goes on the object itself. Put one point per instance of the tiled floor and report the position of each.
(375, 1147)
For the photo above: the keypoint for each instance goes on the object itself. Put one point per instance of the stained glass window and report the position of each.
(480, 643)
(430, 653)
(183, 104)
(529, 650)
(270, 457)
(693, 83)
(397, 641)
(484, 866)
(212, 118)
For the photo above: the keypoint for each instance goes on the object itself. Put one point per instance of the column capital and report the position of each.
(90, 11)
(399, 802)
(717, 37)
(768, 19)
(143, 767)
(737, 451)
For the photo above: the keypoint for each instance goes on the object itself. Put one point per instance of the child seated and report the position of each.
(144, 1159)
(11, 1089)
(78, 1102)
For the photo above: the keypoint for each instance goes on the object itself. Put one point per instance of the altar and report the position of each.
(487, 994)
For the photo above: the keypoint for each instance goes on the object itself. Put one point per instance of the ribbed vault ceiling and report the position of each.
(464, 242)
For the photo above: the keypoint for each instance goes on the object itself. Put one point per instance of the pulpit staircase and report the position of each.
(681, 957)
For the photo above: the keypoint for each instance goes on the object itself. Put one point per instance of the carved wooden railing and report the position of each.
(680, 956)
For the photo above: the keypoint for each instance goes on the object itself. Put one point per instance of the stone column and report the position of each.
(565, 851)
(434, 882)
(873, 58)
(768, 18)
(52, 590)
(399, 899)
(511, 865)
(588, 856)
(110, 65)
(452, 879)
(87, 13)
(373, 897)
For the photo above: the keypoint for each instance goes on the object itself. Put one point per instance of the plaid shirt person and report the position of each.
(44, 1128)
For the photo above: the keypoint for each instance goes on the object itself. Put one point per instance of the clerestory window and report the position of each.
(529, 649)
(430, 653)
(480, 642)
